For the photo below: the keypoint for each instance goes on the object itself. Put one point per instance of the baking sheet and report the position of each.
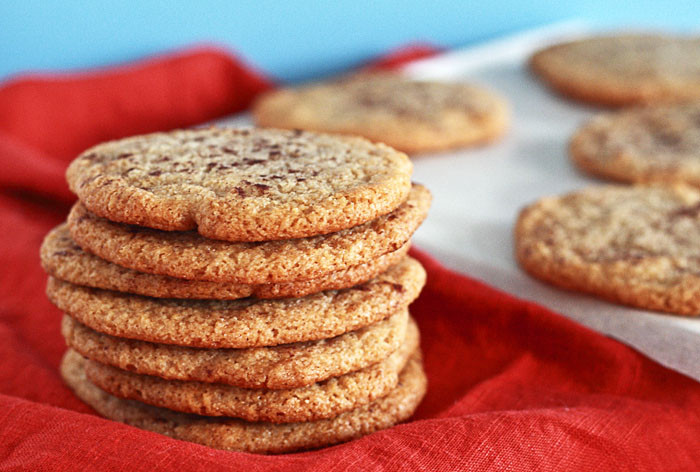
(478, 193)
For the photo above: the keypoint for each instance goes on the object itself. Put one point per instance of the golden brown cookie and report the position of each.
(277, 367)
(655, 143)
(633, 245)
(309, 403)
(623, 69)
(238, 435)
(62, 258)
(187, 255)
(241, 323)
(241, 184)
(413, 116)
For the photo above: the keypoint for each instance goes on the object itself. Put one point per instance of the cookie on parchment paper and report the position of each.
(409, 115)
(635, 245)
(623, 69)
(658, 143)
(241, 184)
(239, 435)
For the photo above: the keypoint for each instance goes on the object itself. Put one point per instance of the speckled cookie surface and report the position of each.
(62, 258)
(241, 184)
(656, 143)
(633, 245)
(238, 435)
(277, 367)
(413, 116)
(241, 323)
(623, 69)
(309, 403)
(188, 255)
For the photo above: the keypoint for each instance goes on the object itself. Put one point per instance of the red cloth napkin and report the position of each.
(513, 386)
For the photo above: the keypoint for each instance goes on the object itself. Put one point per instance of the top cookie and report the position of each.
(634, 245)
(413, 116)
(624, 69)
(241, 184)
(660, 143)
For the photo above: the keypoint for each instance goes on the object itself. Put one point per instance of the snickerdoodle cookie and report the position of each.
(241, 184)
(654, 143)
(623, 69)
(633, 245)
(412, 116)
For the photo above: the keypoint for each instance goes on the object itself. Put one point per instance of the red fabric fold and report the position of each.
(402, 56)
(513, 386)
(52, 118)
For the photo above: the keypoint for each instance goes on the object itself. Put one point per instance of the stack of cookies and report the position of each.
(244, 289)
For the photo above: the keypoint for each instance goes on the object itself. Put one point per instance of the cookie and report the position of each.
(413, 116)
(632, 245)
(64, 259)
(188, 255)
(655, 143)
(623, 69)
(313, 402)
(238, 435)
(241, 184)
(241, 323)
(278, 367)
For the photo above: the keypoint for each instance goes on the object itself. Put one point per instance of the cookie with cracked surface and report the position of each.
(241, 184)
(313, 402)
(62, 258)
(188, 255)
(409, 115)
(655, 143)
(632, 245)
(241, 323)
(278, 367)
(239, 435)
(625, 69)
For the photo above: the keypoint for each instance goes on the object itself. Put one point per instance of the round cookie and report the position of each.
(187, 255)
(656, 143)
(278, 367)
(309, 403)
(241, 323)
(64, 259)
(413, 116)
(241, 184)
(238, 435)
(624, 69)
(633, 245)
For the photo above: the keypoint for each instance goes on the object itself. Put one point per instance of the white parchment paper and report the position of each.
(478, 193)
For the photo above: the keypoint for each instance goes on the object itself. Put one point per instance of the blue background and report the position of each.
(293, 39)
